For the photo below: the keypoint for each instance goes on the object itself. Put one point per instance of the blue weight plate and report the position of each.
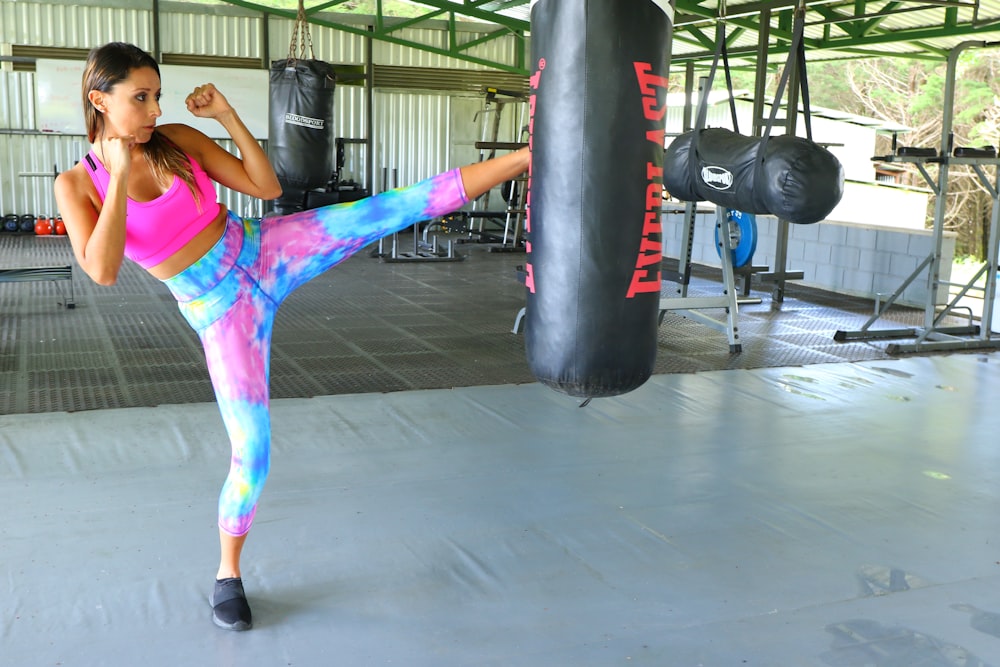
(745, 234)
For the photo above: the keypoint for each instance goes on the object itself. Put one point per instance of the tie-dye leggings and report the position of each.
(230, 297)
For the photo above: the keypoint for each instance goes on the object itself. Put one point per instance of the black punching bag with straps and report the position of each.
(598, 104)
(300, 128)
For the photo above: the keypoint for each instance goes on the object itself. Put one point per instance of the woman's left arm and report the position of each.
(251, 173)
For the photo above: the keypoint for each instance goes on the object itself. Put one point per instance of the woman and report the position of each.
(146, 192)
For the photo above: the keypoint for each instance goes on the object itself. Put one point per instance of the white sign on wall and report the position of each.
(60, 100)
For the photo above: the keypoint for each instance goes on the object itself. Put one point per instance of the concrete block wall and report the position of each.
(843, 257)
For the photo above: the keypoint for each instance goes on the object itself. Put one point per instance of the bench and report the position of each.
(40, 274)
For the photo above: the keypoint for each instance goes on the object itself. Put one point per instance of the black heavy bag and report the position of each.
(594, 233)
(300, 128)
(787, 176)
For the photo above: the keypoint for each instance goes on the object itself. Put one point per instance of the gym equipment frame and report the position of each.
(688, 306)
(44, 273)
(422, 251)
(932, 335)
(513, 215)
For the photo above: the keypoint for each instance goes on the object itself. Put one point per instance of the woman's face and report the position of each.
(132, 106)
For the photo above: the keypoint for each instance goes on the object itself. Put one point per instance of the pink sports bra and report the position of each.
(156, 229)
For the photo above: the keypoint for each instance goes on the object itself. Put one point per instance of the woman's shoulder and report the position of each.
(74, 176)
(180, 134)
(188, 139)
(75, 182)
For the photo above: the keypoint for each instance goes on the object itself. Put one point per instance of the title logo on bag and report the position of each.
(646, 274)
(533, 82)
(304, 121)
(717, 177)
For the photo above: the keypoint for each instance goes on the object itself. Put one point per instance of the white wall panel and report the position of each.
(29, 162)
(410, 135)
(17, 101)
(8, 22)
(22, 157)
(81, 25)
(211, 34)
(333, 46)
(349, 121)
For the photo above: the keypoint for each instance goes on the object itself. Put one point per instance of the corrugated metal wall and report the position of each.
(412, 129)
(409, 135)
(73, 25)
(29, 162)
(216, 35)
(17, 101)
(333, 46)
(24, 158)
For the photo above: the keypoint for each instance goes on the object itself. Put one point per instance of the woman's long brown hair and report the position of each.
(107, 66)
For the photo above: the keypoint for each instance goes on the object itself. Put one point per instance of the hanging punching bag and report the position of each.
(300, 128)
(597, 105)
(787, 176)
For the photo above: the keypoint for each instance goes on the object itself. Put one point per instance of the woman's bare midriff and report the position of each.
(193, 250)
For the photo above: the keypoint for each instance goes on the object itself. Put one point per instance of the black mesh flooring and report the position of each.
(365, 326)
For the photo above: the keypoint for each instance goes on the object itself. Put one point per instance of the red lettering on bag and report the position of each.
(648, 83)
(652, 223)
(654, 196)
(529, 278)
(534, 81)
(653, 89)
(531, 117)
(649, 252)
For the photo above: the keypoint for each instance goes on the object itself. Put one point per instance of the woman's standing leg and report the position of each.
(237, 350)
(292, 250)
(220, 298)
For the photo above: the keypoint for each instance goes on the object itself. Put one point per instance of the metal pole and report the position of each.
(941, 203)
(370, 109)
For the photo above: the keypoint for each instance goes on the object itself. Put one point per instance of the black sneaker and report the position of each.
(229, 605)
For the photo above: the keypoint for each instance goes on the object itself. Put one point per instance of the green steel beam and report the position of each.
(913, 36)
(402, 24)
(384, 29)
(475, 10)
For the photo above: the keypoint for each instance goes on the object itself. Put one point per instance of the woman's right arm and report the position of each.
(96, 230)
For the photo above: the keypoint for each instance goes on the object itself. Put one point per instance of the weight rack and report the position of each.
(933, 335)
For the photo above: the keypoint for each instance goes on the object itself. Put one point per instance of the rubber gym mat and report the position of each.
(816, 516)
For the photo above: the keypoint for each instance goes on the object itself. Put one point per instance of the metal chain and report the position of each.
(301, 38)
